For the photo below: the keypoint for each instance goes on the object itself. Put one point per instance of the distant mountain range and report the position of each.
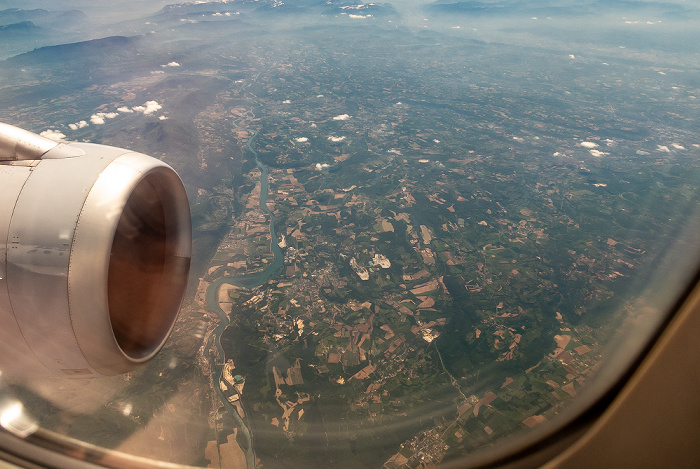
(40, 17)
(552, 8)
(326, 7)
(83, 50)
(21, 30)
(23, 27)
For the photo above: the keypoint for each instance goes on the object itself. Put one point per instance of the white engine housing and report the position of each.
(95, 248)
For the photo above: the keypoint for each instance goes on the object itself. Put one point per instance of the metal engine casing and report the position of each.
(95, 248)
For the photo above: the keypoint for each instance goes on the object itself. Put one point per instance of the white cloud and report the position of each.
(171, 64)
(162, 117)
(99, 117)
(678, 146)
(588, 144)
(355, 17)
(321, 167)
(641, 22)
(597, 153)
(301, 139)
(341, 117)
(286, 101)
(149, 107)
(333, 138)
(663, 148)
(78, 125)
(53, 134)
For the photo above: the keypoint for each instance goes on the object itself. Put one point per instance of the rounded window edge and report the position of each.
(554, 444)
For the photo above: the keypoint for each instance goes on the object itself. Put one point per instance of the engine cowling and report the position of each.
(95, 248)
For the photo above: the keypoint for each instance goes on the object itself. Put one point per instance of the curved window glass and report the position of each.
(421, 231)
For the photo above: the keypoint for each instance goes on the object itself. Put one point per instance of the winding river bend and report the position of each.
(248, 281)
(258, 278)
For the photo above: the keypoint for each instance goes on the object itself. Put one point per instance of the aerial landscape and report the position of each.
(420, 228)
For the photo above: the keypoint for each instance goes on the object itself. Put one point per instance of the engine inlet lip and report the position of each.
(91, 257)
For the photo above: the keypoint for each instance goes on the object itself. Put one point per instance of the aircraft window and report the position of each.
(422, 232)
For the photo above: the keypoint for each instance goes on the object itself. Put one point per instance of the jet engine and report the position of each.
(95, 248)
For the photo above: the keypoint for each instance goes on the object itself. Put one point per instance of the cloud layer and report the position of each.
(53, 135)
(99, 118)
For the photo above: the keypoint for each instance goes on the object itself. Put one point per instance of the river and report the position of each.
(248, 281)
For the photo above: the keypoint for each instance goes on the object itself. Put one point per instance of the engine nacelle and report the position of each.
(95, 248)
